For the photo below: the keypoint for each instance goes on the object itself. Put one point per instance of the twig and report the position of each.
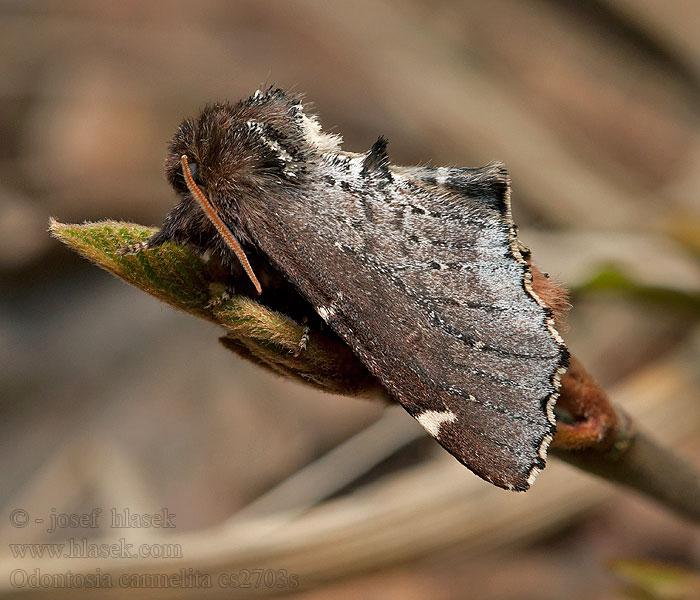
(646, 467)
(601, 439)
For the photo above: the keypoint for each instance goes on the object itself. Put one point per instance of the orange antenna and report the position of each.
(218, 223)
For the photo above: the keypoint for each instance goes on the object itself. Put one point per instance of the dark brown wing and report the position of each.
(419, 271)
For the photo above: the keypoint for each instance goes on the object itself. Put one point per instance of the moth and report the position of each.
(419, 270)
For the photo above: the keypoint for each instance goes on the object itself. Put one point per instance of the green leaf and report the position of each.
(656, 580)
(612, 279)
(170, 273)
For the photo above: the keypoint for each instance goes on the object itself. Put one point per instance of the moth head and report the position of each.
(263, 145)
(235, 149)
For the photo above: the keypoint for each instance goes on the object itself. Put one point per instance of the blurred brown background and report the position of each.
(111, 399)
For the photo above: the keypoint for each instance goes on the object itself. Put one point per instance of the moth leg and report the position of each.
(133, 248)
(304, 339)
(174, 229)
(157, 239)
(220, 293)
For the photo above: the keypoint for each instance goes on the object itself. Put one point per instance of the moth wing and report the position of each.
(419, 271)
